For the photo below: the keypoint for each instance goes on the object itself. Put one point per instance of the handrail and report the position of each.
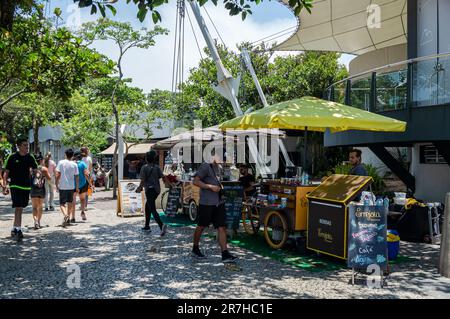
(423, 58)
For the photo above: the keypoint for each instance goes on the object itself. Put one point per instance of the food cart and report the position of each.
(281, 207)
(328, 213)
(182, 195)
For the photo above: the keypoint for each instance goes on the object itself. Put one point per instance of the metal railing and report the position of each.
(418, 82)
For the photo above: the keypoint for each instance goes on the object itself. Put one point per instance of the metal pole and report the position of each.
(444, 263)
(305, 149)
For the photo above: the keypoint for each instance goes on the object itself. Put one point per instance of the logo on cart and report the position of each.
(327, 237)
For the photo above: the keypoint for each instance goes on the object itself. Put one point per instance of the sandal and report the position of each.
(83, 216)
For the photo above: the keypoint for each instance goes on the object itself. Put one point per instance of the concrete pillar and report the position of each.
(444, 264)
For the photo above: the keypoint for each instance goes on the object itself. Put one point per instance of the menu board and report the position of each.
(233, 196)
(129, 202)
(367, 236)
(326, 228)
(173, 201)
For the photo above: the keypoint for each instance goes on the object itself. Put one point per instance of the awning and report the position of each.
(135, 149)
(349, 26)
(210, 134)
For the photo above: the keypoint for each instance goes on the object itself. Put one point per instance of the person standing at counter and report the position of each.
(247, 181)
(355, 159)
(211, 208)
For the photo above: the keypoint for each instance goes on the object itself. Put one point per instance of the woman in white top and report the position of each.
(50, 183)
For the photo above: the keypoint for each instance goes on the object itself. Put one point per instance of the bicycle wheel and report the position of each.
(193, 211)
(164, 197)
(250, 220)
(275, 229)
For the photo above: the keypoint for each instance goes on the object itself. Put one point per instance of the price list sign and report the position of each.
(367, 237)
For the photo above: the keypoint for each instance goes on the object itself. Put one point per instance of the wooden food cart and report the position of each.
(278, 222)
(184, 196)
(328, 213)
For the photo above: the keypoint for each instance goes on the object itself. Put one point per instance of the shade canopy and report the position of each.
(349, 26)
(314, 114)
(207, 134)
(136, 149)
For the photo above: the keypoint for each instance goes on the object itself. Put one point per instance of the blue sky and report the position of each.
(152, 68)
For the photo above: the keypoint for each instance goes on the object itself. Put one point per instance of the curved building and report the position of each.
(402, 70)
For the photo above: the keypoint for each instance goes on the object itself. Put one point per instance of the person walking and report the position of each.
(150, 175)
(19, 167)
(39, 179)
(84, 184)
(67, 183)
(87, 159)
(211, 208)
(50, 183)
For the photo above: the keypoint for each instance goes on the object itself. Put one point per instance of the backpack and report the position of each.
(38, 179)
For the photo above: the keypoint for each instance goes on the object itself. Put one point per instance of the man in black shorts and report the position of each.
(18, 167)
(212, 208)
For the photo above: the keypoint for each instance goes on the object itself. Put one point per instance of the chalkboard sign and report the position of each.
(367, 236)
(173, 201)
(233, 196)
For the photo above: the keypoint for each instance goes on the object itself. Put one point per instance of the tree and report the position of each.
(89, 122)
(287, 77)
(126, 38)
(36, 58)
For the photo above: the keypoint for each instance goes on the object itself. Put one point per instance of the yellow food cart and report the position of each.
(279, 221)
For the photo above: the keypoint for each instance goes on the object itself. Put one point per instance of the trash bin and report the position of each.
(393, 243)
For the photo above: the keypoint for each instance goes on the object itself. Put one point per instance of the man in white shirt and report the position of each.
(66, 184)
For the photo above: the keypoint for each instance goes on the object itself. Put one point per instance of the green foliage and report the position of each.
(36, 58)
(378, 184)
(285, 78)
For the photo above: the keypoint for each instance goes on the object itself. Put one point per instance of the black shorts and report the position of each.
(20, 197)
(208, 214)
(65, 196)
(83, 189)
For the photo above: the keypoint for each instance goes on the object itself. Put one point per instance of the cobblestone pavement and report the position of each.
(117, 260)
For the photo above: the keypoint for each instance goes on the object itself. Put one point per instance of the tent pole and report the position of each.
(305, 149)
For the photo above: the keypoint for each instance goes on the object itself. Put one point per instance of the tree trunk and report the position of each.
(7, 9)
(114, 163)
(36, 125)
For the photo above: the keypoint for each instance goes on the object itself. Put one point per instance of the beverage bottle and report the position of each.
(379, 202)
(386, 203)
(306, 179)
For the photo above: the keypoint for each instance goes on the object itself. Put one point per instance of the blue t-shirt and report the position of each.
(82, 179)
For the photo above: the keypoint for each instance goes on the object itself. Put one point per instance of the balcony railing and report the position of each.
(418, 82)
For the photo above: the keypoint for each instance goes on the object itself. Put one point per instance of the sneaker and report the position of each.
(66, 221)
(146, 228)
(228, 258)
(163, 230)
(198, 254)
(83, 216)
(19, 235)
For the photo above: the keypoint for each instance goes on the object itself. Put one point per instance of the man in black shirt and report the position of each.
(18, 167)
(247, 181)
